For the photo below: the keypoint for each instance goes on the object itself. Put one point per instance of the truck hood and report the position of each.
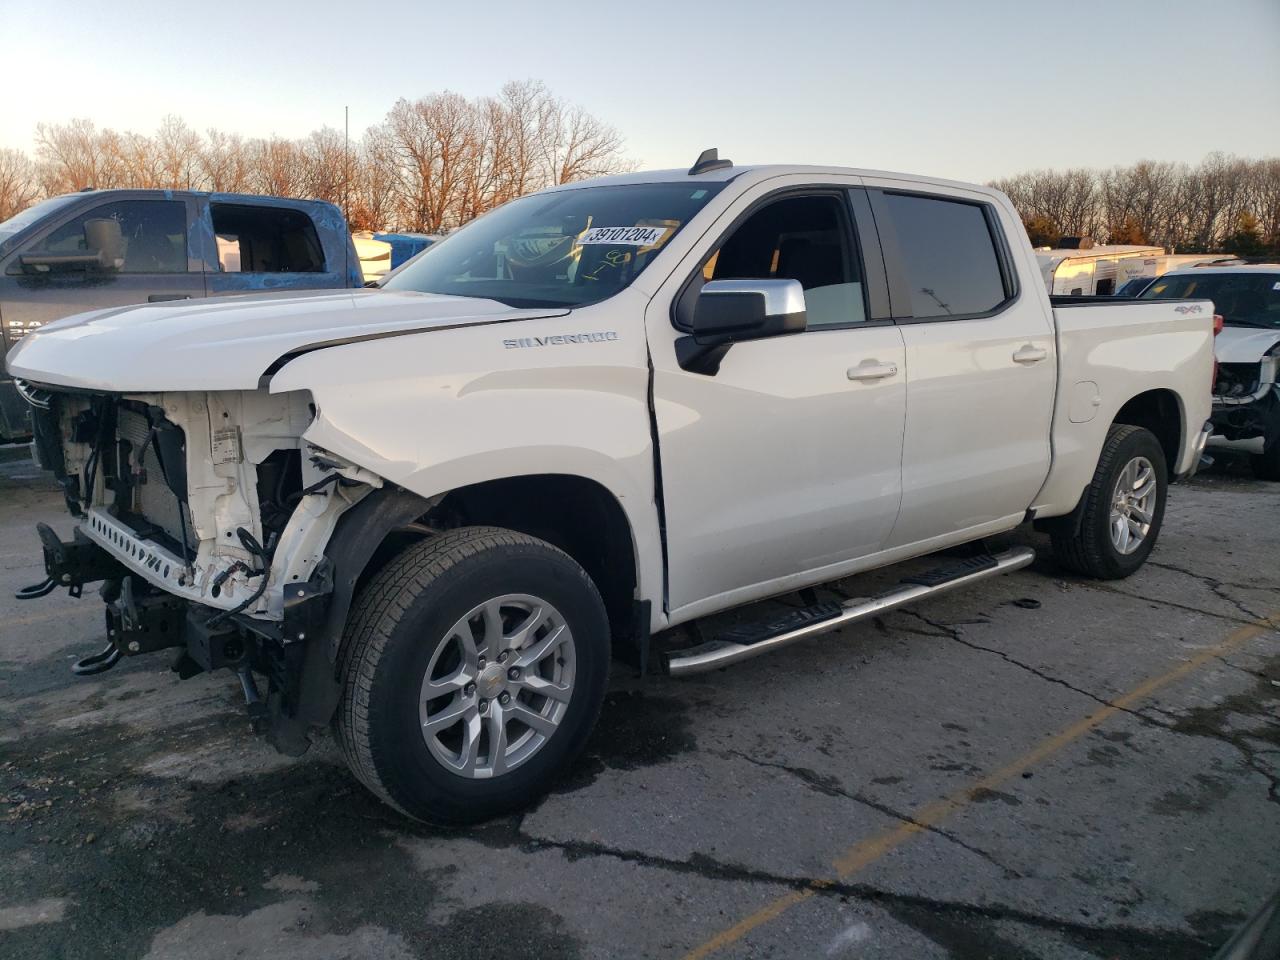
(1244, 344)
(229, 343)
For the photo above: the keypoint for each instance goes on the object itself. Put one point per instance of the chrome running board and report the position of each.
(752, 640)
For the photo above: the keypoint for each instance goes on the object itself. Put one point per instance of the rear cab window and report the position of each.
(260, 239)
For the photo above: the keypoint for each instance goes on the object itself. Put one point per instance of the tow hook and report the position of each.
(98, 663)
(37, 590)
(136, 623)
(70, 564)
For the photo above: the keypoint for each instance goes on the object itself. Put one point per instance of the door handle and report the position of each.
(872, 370)
(161, 297)
(1029, 354)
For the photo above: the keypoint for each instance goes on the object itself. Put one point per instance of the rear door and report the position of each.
(254, 244)
(785, 462)
(980, 354)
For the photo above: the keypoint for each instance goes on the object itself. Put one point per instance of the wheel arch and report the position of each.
(573, 513)
(1161, 412)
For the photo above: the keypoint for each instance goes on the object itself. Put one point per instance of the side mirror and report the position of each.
(46, 263)
(104, 250)
(103, 236)
(729, 311)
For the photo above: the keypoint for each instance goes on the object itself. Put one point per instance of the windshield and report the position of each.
(20, 221)
(561, 249)
(1243, 299)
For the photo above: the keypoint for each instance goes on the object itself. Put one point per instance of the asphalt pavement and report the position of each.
(1038, 767)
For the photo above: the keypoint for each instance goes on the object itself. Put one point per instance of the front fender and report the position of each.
(438, 411)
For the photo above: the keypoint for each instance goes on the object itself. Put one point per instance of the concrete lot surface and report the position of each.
(1037, 767)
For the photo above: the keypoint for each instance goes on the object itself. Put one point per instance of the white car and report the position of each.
(1246, 400)
(427, 514)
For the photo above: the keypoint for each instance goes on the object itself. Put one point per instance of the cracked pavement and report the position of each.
(139, 818)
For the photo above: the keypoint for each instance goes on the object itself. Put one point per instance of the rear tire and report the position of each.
(1118, 530)
(471, 623)
(1266, 466)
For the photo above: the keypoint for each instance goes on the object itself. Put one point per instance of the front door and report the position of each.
(148, 260)
(786, 461)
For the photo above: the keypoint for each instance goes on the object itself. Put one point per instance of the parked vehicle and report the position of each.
(406, 246)
(425, 512)
(112, 248)
(1134, 286)
(1137, 274)
(1088, 269)
(374, 254)
(1246, 395)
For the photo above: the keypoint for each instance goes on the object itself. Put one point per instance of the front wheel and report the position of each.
(1123, 508)
(475, 664)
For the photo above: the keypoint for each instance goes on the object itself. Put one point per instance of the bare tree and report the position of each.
(19, 187)
(431, 164)
(75, 155)
(224, 163)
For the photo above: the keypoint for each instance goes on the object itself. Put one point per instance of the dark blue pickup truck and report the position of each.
(107, 248)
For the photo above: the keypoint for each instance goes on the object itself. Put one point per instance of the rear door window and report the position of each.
(949, 255)
(132, 236)
(253, 239)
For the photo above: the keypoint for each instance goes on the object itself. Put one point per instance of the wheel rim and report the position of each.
(497, 686)
(1133, 505)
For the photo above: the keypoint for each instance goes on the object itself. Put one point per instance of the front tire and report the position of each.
(1123, 508)
(474, 666)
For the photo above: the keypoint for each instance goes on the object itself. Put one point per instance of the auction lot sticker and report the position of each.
(624, 236)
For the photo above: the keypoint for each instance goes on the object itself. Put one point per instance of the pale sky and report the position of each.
(971, 89)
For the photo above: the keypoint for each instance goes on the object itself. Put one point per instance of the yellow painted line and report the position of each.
(862, 855)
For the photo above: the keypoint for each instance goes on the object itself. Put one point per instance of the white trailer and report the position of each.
(1097, 270)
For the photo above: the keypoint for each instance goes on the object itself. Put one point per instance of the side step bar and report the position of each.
(752, 640)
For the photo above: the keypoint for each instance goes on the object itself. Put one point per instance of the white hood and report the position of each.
(1244, 344)
(228, 343)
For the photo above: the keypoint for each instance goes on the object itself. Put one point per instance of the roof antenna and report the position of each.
(709, 160)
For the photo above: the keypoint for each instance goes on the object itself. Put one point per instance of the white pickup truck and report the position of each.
(424, 515)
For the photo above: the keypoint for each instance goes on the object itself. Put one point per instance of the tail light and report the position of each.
(1219, 321)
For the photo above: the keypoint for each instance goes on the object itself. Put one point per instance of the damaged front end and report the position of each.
(1246, 405)
(205, 517)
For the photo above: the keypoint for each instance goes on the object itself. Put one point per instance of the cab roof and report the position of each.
(758, 172)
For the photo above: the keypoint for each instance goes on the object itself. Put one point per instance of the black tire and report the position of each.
(390, 639)
(1266, 465)
(1089, 549)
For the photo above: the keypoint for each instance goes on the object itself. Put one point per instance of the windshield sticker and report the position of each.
(624, 236)
(1276, 285)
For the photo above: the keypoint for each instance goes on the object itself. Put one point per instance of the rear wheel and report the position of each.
(475, 663)
(1123, 508)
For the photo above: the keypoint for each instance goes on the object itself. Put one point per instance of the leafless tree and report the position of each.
(1183, 208)
(19, 187)
(76, 155)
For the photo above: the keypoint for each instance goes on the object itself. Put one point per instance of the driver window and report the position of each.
(152, 236)
(805, 238)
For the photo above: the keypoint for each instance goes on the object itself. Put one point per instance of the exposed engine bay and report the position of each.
(206, 517)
